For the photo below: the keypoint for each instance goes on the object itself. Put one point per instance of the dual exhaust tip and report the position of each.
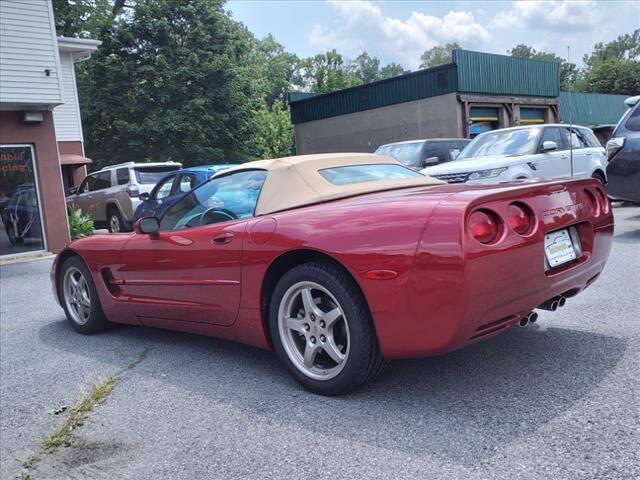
(551, 305)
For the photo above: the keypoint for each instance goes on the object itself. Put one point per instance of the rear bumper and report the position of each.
(458, 294)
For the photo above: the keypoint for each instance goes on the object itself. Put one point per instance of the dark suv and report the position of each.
(623, 153)
(418, 154)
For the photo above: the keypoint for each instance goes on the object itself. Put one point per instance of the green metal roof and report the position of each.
(403, 88)
(470, 72)
(489, 73)
(591, 108)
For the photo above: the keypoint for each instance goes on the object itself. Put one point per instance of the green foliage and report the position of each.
(80, 224)
(327, 72)
(274, 137)
(85, 18)
(438, 55)
(172, 81)
(614, 76)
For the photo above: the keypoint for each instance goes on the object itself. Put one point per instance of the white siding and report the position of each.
(28, 47)
(66, 117)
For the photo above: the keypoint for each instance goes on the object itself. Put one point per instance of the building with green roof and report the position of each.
(474, 93)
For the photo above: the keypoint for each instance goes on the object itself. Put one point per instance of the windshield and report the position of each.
(406, 153)
(153, 174)
(502, 142)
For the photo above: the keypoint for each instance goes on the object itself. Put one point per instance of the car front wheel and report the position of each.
(116, 224)
(80, 299)
(322, 329)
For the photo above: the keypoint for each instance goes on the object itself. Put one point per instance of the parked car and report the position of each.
(111, 195)
(623, 152)
(21, 215)
(419, 154)
(340, 261)
(173, 187)
(539, 151)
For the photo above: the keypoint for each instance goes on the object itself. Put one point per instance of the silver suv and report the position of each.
(111, 195)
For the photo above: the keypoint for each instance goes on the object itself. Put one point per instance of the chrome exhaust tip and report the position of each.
(551, 304)
(561, 301)
(533, 317)
(524, 321)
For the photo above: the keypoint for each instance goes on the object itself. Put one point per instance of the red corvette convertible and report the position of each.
(340, 261)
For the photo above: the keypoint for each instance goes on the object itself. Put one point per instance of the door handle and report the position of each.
(223, 238)
(564, 156)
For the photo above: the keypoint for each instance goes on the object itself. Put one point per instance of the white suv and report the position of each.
(110, 195)
(540, 151)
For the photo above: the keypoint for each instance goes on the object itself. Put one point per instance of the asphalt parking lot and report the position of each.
(556, 400)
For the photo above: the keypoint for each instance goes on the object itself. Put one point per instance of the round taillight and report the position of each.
(591, 202)
(519, 219)
(603, 200)
(483, 226)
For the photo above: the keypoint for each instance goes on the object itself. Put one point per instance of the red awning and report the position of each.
(72, 159)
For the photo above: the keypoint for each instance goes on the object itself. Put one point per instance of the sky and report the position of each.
(399, 31)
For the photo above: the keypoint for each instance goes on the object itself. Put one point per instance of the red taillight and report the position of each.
(483, 226)
(603, 200)
(133, 192)
(591, 202)
(519, 219)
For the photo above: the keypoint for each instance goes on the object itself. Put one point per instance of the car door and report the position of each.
(190, 271)
(553, 163)
(580, 153)
(162, 191)
(596, 158)
(83, 199)
(99, 195)
(183, 184)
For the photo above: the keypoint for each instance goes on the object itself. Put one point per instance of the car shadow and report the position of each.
(632, 236)
(464, 406)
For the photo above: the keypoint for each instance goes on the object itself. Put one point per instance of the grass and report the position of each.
(77, 414)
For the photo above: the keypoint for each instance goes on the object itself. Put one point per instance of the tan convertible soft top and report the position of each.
(294, 181)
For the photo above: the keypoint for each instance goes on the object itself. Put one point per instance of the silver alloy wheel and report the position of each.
(314, 330)
(114, 223)
(77, 296)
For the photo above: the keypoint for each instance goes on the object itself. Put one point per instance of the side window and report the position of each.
(103, 180)
(633, 122)
(219, 200)
(122, 176)
(88, 184)
(576, 140)
(186, 183)
(435, 150)
(589, 137)
(163, 190)
(554, 134)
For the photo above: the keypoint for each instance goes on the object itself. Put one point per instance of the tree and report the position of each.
(569, 72)
(171, 82)
(327, 72)
(274, 135)
(274, 69)
(438, 55)
(392, 70)
(366, 68)
(625, 47)
(86, 18)
(614, 76)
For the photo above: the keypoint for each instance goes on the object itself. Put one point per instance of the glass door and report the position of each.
(21, 230)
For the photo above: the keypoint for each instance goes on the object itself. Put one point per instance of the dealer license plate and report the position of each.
(558, 248)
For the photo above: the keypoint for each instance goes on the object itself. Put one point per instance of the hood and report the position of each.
(475, 164)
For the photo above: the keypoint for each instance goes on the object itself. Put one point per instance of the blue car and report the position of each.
(173, 187)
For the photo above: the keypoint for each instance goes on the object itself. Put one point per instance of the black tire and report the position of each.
(114, 218)
(97, 321)
(364, 360)
(598, 176)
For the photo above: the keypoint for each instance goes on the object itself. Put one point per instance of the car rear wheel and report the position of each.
(322, 329)
(116, 224)
(80, 299)
(599, 177)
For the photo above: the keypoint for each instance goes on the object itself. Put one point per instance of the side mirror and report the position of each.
(72, 191)
(549, 145)
(147, 225)
(429, 162)
(144, 196)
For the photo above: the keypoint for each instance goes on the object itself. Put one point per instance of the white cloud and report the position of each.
(553, 16)
(363, 25)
